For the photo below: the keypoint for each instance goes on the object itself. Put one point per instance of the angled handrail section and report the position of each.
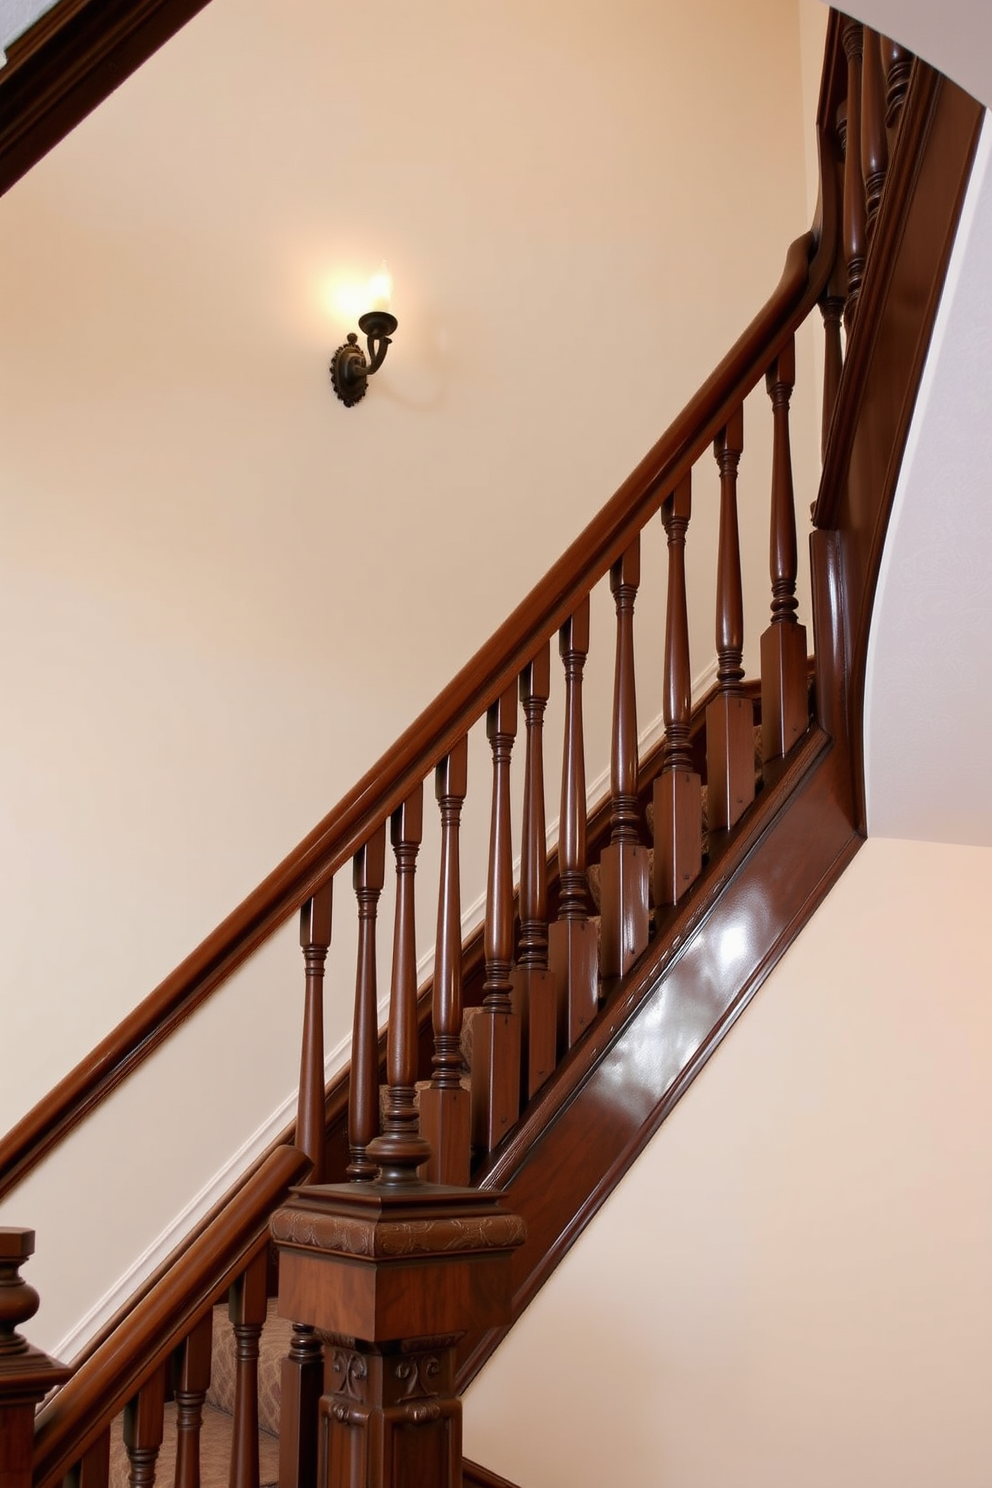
(495, 666)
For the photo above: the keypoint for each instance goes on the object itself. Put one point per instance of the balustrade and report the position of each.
(678, 810)
(572, 949)
(534, 997)
(784, 682)
(445, 1114)
(624, 863)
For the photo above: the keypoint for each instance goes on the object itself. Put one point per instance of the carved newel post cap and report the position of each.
(26, 1374)
(365, 1261)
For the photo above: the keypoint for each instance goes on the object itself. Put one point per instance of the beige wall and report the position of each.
(809, 1232)
(224, 594)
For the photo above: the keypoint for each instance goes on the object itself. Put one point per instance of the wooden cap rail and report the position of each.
(495, 668)
(69, 1424)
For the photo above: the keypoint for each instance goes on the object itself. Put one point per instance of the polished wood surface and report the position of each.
(897, 65)
(342, 833)
(855, 242)
(784, 675)
(928, 174)
(678, 812)
(26, 1374)
(534, 996)
(624, 863)
(369, 875)
(730, 717)
(400, 1149)
(144, 1426)
(190, 1382)
(572, 940)
(302, 1381)
(246, 1308)
(496, 1030)
(315, 940)
(69, 61)
(764, 876)
(874, 138)
(476, 1476)
(445, 1114)
(69, 1423)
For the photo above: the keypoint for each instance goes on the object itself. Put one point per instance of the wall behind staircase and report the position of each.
(791, 1286)
(224, 594)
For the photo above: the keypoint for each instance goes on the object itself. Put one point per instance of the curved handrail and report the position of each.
(387, 784)
(74, 1418)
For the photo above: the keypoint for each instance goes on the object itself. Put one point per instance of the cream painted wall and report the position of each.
(809, 1233)
(223, 594)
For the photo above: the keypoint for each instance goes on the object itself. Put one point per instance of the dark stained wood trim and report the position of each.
(904, 279)
(494, 668)
(660, 1026)
(75, 1417)
(474, 1476)
(68, 62)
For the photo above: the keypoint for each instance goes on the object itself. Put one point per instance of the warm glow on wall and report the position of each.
(350, 368)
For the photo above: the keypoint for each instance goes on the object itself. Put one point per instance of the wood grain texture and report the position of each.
(69, 1424)
(68, 62)
(341, 833)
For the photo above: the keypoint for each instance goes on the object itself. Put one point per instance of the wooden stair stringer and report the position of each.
(583, 1132)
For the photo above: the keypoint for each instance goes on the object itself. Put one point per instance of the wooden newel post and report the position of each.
(26, 1374)
(392, 1274)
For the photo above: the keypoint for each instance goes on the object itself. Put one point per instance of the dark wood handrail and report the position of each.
(74, 1418)
(494, 667)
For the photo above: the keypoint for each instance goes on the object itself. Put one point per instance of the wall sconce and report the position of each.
(350, 370)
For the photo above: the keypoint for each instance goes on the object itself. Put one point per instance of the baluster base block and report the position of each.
(573, 957)
(495, 1077)
(678, 834)
(784, 689)
(729, 759)
(446, 1123)
(535, 1000)
(625, 910)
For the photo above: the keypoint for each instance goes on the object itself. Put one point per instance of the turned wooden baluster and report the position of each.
(144, 1424)
(854, 189)
(246, 1307)
(730, 716)
(93, 1468)
(315, 938)
(445, 1114)
(302, 1370)
(190, 1382)
(784, 682)
(401, 1150)
(874, 140)
(572, 948)
(26, 1374)
(496, 1028)
(678, 802)
(369, 875)
(624, 863)
(534, 995)
(897, 64)
(832, 310)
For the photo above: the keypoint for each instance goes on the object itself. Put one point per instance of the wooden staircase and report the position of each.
(563, 1010)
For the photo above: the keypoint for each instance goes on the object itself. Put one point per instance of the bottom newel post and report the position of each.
(392, 1275)
(26, 1374)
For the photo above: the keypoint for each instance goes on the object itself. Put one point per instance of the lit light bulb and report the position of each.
(381, 288)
